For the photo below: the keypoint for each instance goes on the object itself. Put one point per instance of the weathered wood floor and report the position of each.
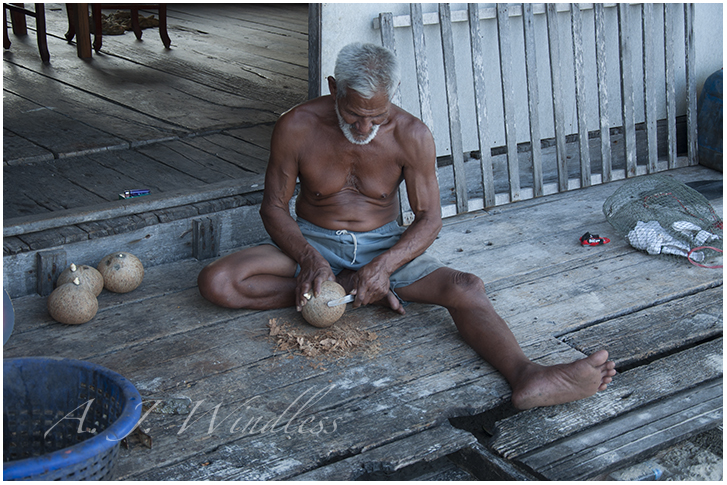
(256, 411)
(83, 130)
(261, 395)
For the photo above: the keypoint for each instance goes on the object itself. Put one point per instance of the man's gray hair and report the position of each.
(367, 69)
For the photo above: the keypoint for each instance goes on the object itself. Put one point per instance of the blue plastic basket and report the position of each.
(64, 419)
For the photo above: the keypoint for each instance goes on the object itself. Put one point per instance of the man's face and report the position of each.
(360, 118)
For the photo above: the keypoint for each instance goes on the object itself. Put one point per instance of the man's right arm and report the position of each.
(280, 181)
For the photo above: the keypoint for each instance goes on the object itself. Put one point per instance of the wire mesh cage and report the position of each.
(662, 216)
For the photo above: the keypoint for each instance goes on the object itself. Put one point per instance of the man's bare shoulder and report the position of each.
(411, 132)
(305, 116)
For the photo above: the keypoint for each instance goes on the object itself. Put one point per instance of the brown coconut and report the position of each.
(72, 303)
(89, 277)
(317, 312)
(121, 272)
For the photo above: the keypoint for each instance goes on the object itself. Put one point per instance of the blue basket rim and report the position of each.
(97, 445)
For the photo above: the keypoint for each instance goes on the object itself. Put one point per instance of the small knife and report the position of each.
(342, 301)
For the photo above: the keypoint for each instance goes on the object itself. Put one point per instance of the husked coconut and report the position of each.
(121, 272)
(89, 277)
(72, 303)
(317, 312)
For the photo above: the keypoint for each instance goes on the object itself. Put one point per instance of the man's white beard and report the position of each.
(348, 133)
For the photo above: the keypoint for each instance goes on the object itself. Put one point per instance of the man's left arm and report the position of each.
(420, 175)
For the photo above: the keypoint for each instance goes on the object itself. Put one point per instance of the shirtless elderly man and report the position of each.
(350, 150)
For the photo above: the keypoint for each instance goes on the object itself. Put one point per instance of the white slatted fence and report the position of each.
(564, 71)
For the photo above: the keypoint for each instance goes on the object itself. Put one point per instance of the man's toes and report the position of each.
(598, 359)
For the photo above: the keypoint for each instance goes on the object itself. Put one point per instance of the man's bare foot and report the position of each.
(562, 383)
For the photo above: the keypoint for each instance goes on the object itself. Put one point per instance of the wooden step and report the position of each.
(158, 229)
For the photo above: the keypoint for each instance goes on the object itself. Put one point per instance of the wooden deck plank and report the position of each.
(360, 411)
(427, 445)
(225, 69)
(631, 437)
(178, 158)
(258, 135)
(17, 149)
(155, 92)
(188, 24)
(235, 151)
(93, 111)
(656, 330)
(157, 176)
(210, 159)
(46, 186)
(45, 127)
(44, 240)
(532, 429)
(105, 182)
(270, 19)
(19, 203)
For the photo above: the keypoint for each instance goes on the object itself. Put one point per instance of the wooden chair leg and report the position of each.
(20, 28)
(40, 31)
(83, 36)
(163, 26)
(6, 39)
(98, 33)
(72, 13)
(135, 22)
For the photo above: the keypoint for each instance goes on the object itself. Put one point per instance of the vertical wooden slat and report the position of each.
(386, 22)
(533, 98)
(503, 30)
(422, 67)
(206, 233)
(580, 83)
(478, 79)
(671, 111)
(627, 89)
(647, 36)
(604, 123)
(455, 131)
(555, 70)
(422, 70)
(314, 50)
(49, 266)
(691, 83)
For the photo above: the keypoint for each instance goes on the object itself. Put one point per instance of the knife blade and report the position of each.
(342, 301)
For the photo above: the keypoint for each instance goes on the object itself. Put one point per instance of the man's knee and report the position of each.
(210, 282)
(467, 282)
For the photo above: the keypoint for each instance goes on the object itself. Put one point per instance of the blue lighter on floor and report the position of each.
(130, 194)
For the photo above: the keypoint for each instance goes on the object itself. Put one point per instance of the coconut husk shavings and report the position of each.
(343, 338)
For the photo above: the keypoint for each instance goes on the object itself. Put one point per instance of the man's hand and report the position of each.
(371, 285)
(313, 272)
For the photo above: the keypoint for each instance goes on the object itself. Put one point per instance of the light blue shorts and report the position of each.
(353, 250)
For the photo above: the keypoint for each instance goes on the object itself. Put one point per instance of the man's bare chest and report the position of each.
(328, 173)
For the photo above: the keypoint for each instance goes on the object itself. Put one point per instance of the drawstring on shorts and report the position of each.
(341, 232)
